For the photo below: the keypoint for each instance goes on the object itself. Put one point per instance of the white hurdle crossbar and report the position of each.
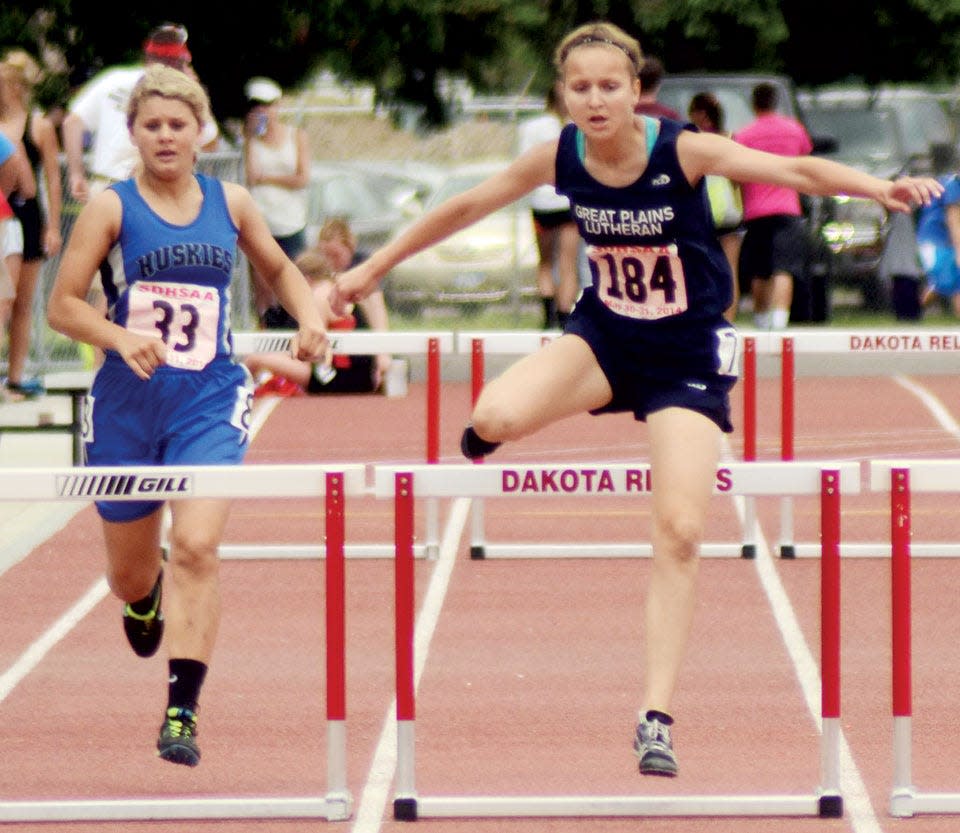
(901, 478)
(329, 483)
(431, 345)
(793, 342)
(825, 479)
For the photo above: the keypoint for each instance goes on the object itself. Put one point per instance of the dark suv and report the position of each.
(735, 92)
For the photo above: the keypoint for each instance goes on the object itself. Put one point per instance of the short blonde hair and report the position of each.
(166, 82)
(599, 33)
(314, 265)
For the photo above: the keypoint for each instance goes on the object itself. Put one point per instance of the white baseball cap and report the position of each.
(262, 90)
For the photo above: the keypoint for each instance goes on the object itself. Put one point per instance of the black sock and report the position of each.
(562, 319)
(186, 678)
(145, 605)
(549, 313)
(662, 717)
(473, 446)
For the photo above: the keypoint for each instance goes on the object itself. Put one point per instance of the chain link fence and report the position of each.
(339, 134)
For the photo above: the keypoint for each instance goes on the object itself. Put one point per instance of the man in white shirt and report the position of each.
(100, 108)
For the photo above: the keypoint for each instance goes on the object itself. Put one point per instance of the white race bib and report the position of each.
(645, 282)
(186, 317)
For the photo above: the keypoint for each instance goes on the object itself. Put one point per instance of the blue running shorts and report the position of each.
(178, 417)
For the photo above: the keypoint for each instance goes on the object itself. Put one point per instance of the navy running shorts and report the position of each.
(650, 367)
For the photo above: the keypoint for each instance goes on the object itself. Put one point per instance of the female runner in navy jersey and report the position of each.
(169, 391)
(648, 336)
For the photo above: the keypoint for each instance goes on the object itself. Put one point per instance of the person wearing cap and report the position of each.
(277, 167)
(99, 108)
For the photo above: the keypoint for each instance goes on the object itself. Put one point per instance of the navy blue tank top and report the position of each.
(653, 249)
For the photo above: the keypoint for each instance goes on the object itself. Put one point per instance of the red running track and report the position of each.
(534, 669)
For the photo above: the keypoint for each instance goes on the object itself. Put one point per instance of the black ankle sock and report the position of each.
(663, 717)
(473, 446)
(186, 678)
(562, 318)
(145, 605)
(549, 313)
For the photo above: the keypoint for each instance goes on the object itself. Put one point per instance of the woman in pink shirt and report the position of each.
(774, 248)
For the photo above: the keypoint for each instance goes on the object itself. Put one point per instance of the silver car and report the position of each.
(492, 261)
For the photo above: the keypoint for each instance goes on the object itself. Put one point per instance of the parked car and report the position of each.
(853, 231)
(928, 134)
(375, 204)
(493, 260)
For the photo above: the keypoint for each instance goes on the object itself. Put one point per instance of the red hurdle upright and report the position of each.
(903, 479)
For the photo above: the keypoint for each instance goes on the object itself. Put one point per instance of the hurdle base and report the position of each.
(788, 551)
(831, 806)
(339, 805)
(478, 552)
(617, 806)
(748, 551)
(405, 809)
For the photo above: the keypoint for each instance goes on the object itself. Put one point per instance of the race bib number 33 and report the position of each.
(645, 282)
(185, 316)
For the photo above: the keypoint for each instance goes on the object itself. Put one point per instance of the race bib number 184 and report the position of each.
(644, 282)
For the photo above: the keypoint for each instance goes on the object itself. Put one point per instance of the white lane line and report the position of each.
(934, 405)
(857, 807)
(31, 658)
(376, 790)
(39, 648)
(29, 525)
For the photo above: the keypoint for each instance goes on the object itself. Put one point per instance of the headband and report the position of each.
(583, 40)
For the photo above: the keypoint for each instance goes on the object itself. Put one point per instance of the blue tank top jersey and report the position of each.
(172, 280)
(652, 246)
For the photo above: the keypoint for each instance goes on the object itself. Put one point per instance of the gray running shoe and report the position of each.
(653, 747)
(177, 742)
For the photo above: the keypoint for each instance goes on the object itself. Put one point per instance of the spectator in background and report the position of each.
(282, 374)
(726, 204)
(13, 166)
(36, 232)
(557, 237)
(938, 241)
(651, 74)
(100, 106)
(277, 166)
(338, 244)
(773, 254)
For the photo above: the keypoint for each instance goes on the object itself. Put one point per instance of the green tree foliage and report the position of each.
(405, 48)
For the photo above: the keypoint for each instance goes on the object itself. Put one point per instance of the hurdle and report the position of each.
(482, 343)
(828, 481)
(432, 345)
(901, 479)
(333, 485)
(787, 345)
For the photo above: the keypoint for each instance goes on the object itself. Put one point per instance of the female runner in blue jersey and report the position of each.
(648, 336)
(169, 391)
